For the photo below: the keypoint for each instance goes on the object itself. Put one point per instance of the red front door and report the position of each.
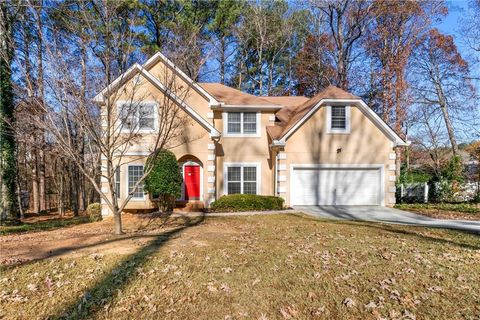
(191, 176)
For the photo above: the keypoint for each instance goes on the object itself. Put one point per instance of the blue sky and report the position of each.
(451, 24)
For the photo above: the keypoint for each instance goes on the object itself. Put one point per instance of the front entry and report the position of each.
(191, 178)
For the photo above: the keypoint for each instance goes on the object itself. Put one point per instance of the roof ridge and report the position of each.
(237, 90)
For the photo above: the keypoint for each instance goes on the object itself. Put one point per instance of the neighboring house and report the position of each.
(331, 149)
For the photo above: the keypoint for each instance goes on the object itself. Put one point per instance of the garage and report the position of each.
(328, 185)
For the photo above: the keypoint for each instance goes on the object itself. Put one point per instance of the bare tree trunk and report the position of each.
(118, 222)
(451, 134)
(35, 198)
(446, 117)
(41, 93)
(19, 197)
(73, 189)
(222, 60)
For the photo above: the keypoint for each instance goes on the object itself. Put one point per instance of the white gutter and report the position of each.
(252, 106)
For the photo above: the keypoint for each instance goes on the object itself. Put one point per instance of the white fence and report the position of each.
(443, 191)
(412, 192)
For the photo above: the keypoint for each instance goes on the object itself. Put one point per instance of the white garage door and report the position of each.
(336, 186)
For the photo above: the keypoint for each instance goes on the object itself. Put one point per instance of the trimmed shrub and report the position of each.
(164, 182)
(94, 212)
(247, 202)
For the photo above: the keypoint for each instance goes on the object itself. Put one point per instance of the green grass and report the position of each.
(457, 207)
(43, 225)
(259, 267)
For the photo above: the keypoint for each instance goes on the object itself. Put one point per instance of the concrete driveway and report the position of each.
(387, 215)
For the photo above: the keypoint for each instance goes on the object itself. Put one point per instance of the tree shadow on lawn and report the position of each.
(104, 290)
(401, 229)
(152, 222)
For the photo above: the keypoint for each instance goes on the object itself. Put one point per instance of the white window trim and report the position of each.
(128, 182)
(241, 134)
(347, 121)
(155, 115)
(226, 165)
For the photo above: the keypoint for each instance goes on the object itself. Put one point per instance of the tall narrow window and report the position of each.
(249, 122)
(128, 117)
(135, 172)
(117, 181)
(250, 180)
(234, 122)
(146, 116)
(339, 120)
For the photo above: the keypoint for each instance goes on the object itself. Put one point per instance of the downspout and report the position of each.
(275, 174)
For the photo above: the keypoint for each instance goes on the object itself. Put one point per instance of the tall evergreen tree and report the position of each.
(222, 28)
(8, 162)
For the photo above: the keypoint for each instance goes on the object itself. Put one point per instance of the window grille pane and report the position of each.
(250, 174)
(250, 187)
(338, 117)
(147, 124)
(249, 127)
(234, 117)
(233, 174)
(146, 110)
(249, 122)
(250, 117)
(146, 116)
(233, 125)
(134, 175)
(234, 128)
(127, 116)
(234, 187)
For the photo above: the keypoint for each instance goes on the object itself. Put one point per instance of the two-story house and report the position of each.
(331, 149)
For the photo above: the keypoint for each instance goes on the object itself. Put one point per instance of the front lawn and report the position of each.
(50, 222)
(463, 211)
(254, 267)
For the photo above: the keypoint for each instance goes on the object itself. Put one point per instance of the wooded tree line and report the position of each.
(56, 55)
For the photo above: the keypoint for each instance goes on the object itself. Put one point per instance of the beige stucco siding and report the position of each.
(365, 144)
(246, 150)
(189, 141)
(183, 90)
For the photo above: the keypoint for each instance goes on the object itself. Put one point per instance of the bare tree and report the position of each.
(347, 21)
(442, 80)
(114, 127)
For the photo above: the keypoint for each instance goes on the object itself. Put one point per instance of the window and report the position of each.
(338, 118)
(234, 122)
(242, 123)
(135, 172)
(138, 116)
(241, 179)
(117, 181)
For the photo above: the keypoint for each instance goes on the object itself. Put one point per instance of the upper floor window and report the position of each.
(338, 119)
(138, 116)
(242, 124)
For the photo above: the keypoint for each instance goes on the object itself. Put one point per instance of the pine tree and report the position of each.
(8, 162)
